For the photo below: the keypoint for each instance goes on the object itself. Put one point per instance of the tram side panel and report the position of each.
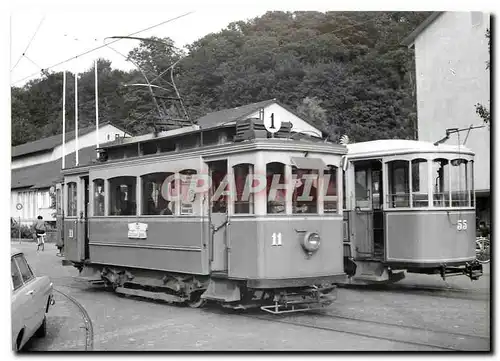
(173, 245)
(269, 251)
(430, 238)
(71, 242)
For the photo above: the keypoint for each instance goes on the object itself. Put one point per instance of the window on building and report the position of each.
(440, 178)
(244, 199)
(153, 200)
(459, 186)
(122, 197)
(330, 184)
(419, 182)
(476, 18)
(305, 193)
(99, 198)
(275, 188)
(72, 200)
(399, 183)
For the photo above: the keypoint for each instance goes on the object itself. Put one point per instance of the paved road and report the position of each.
(429, 321)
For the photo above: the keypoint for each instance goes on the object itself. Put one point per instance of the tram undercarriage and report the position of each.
(365, 272)
(195, 290)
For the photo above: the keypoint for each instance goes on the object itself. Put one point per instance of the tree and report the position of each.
(481, 110)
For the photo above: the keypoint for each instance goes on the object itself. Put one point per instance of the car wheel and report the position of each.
(42, 330)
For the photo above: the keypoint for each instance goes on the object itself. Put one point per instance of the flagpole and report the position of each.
(96, 108)
(76, 118)
(64, 121)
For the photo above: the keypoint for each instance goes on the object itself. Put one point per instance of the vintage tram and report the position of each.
(132, 221)
(409, 206)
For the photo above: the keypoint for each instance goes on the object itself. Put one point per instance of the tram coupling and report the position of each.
(312, 298)
(473, 270)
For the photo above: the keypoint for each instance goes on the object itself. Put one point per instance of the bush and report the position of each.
(26, 232)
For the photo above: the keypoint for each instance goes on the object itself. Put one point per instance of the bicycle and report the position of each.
(483, 250)
(40, 241)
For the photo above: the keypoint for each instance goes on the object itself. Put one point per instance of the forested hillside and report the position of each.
(345, 71)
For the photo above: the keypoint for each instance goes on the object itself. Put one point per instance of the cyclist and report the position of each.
(483, 230)
(40, 229)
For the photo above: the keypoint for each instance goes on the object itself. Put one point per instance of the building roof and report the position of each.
(400, 146)
(410, 39)
(231, 115)
(49, 143)
(45, 175)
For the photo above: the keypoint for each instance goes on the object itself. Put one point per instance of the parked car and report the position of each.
(31, 299)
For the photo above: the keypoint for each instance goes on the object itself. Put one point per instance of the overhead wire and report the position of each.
(27, 47)
(102, 46)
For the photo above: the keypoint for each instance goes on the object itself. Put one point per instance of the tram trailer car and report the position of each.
(282, 255)
(409, 207)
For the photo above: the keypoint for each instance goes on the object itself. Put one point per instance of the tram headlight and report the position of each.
(311, 242)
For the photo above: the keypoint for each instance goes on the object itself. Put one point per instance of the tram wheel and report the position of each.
(195, 300)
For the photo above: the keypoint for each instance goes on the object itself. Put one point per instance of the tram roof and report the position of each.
(401, 146)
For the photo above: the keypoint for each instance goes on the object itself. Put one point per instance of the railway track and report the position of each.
(320, 320)
(410, 335)
(89, 329)
(453, 293)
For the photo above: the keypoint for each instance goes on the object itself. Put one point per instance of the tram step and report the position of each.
(151, 295)
(222, 290)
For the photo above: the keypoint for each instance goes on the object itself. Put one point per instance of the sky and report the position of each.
(51, 32)
(61, 35)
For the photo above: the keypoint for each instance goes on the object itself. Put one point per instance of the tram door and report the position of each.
(82, 232)
(218, 231)
(368, 215)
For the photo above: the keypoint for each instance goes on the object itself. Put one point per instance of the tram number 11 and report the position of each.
(276, 239)
(462, 225)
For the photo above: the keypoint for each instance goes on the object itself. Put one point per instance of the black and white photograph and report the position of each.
(276, 176)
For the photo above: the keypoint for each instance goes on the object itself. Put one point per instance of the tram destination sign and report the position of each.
(137, 230)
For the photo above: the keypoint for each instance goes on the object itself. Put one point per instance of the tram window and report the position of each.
(167, 146)
(187, 192)
(419, 183)
(153, 201)
(470, 182)
(361, 188)
(58, 201)
(399, 184)
(244, 200)
(149, 148)
(459, 185)
(122, 199)
(72, 199)
(275, 188)
(330, 184)
(305, 193)
(440, 177)
(344, 193)
(220, 185)
(99, 197)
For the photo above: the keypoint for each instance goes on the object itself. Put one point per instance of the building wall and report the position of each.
(298, 125)
(106, 133)
(451, 77)
(35, 203)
